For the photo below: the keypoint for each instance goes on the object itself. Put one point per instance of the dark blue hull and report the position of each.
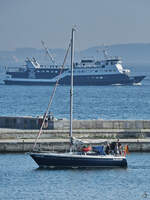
(51, 161)
(80, 80)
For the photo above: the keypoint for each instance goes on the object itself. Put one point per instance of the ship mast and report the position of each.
(71, 85)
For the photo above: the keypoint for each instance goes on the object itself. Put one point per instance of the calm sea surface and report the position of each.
(90, 102)
(21, 179)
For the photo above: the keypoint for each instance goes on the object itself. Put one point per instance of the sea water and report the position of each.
(90, 102)
(20, 177)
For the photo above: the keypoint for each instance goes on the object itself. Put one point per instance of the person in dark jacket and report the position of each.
(113, 147)
(119, 147)
(107, 150)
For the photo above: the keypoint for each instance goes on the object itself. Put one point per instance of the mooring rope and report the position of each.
(51, 98)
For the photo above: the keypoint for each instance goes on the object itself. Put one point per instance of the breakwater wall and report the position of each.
(82, 128)
(29, 122)
(17, 134)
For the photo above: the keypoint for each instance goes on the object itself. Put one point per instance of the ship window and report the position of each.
(103, 66)
(106, 63)
(110, 70)
(97, 63)
(112, 63)
(96, 71)
(55, 71)
(86, 61)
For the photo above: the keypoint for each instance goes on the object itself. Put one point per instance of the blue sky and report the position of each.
(23, 23)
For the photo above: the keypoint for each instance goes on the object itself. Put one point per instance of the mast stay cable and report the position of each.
(51, 98)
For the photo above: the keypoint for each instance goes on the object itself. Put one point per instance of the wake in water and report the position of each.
(137, 84)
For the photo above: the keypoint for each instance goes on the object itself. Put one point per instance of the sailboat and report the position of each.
(78, 156)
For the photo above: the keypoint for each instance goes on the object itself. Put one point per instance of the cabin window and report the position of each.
(97, 63)
(96, 71)
(112, 62)
(86, 61)
(103, 66)
(110, 70)
(106, 63)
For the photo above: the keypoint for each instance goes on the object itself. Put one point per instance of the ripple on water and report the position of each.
(22, 179)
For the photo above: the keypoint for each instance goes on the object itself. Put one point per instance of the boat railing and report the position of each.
(51, 66)
(118, 58)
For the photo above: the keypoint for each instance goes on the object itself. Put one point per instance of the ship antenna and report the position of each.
(105, 52)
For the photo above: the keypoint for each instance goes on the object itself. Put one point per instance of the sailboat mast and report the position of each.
(71, 85)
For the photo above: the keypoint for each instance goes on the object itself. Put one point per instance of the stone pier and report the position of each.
(17, 134)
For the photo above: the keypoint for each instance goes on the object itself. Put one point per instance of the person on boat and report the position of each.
(107, 150)
(116, 149)
(113, 147)
(119, 147)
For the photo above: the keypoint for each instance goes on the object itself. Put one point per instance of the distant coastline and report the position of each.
(130, 53)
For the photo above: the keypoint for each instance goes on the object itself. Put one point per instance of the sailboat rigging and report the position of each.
(76, 158)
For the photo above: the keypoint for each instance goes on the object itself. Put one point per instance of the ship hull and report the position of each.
(77, 161)
(79, 80)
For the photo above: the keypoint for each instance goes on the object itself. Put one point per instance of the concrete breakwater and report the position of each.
(17, 134)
